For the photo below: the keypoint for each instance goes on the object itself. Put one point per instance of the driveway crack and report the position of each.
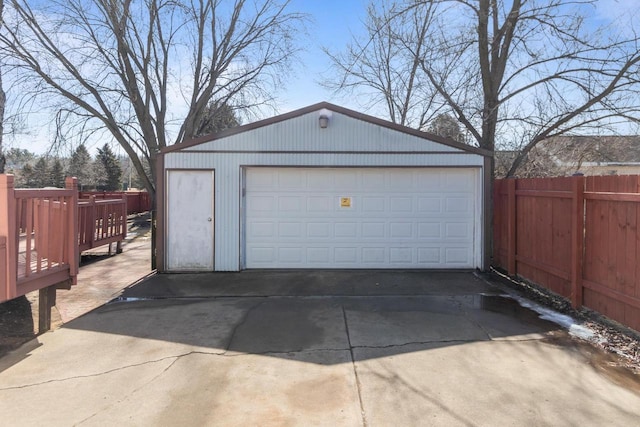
(244, 319)
(355, 368)
(123, 398)
(110, 371)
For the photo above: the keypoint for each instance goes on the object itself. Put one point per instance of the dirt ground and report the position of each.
(19, 317)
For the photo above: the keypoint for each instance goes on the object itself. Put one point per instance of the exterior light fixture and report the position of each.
(324, 116)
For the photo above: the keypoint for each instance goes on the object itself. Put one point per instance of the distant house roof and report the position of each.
(589, 150)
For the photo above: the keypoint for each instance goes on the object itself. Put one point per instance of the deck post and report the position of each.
(71, 183)
(92, 220)
(125, 211)
(46, 301)
(8, 229)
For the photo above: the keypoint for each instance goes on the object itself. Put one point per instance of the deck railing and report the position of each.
(38, 237)
(101, 222)
(137, 201)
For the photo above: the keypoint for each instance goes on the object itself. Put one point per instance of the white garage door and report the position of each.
(361, 218)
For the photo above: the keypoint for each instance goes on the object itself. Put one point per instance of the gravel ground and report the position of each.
(610, 336)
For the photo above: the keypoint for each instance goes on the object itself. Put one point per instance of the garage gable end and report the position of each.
(344, 131)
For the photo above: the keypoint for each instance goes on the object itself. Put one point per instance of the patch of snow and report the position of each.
(569, 323)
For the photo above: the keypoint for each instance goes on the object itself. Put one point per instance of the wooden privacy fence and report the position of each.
(101, 222)
(137, 201)
(38, 238)
(577, 236)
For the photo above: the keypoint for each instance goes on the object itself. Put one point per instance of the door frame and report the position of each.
(165, 210)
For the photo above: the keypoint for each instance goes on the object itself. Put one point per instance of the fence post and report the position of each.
(511, 226)
(8, 229)
(71, 183)
(123, 224)
(91, 220)
(577, 239)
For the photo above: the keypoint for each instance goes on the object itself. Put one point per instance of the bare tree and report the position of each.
(144, 71)
(382, 70)
(542, 70)
(516, 71)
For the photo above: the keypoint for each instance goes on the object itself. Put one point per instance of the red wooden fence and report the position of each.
(137, 201)
(576, 236)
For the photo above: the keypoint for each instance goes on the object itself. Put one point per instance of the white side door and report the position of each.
(190, 220)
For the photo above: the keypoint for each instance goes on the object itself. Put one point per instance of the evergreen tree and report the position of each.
(18, 157)
(41, 174)
(217, 117)
(57, 174)
(25, 179)
(111, 166)
(80, 166)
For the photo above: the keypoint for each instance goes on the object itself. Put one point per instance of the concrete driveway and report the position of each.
(319, 348)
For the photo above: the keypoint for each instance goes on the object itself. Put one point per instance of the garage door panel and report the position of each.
(455, 182)
(429, 204)
(261, 203)
(457, 255)
(264, 255)
(373, 255)
(262, 229)
(290, 229)
(290, 255)
(401, 255)
(319, 230)
(319, 255)
(345, 229)
(458, 205)
(372, 230)
(401, 204)
(372, 179)
(402, 180)
(320, 204)
(429, 256)
(401, 230)
(345, 255)
(406, 220)
(429, 230)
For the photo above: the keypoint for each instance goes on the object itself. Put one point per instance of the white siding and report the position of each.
(303, 134)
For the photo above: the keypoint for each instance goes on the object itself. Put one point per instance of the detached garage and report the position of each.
(322, 187)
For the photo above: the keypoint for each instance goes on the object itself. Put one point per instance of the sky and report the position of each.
(332, 24)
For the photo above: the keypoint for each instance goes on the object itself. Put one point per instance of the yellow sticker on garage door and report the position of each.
(345, 202)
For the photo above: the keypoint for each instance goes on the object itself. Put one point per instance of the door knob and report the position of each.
(209, 219)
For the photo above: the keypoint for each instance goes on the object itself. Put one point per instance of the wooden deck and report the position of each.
(38, 238)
